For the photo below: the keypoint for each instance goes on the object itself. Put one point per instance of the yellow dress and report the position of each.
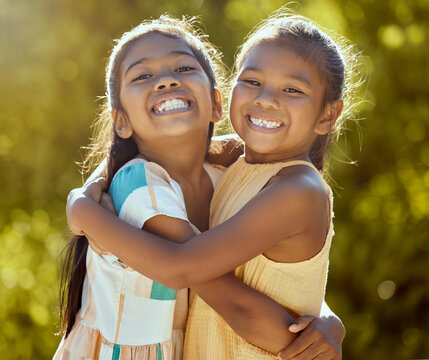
(297, 286)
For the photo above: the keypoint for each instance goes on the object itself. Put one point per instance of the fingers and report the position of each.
(320, 349)
(324, 356)
(107, 203)
(311, 342)
(92, 190)
(300, 323)
(298, 346)
(100, 182)
(95, 188)
(100, 171)
(310, 353)
(73, 195)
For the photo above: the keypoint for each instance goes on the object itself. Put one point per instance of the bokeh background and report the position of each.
(52, 60)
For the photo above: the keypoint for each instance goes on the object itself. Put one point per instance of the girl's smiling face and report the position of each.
(276, 103)
(164, 91)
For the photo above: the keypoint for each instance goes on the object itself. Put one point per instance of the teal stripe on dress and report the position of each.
(125, 182)
(159, 352)
(160, 292)
(116, 352)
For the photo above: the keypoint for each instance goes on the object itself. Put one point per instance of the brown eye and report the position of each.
(142, 77)
(253, 82)
(292, 91)
(185, 69)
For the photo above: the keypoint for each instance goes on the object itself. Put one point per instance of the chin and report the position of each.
(262, 149)
(185, 129)
(178, 126)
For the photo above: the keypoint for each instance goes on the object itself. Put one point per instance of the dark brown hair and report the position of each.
(117, 151)
(336, 61)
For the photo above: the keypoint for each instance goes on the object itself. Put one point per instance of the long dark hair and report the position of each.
(336, 60)
(117, 151)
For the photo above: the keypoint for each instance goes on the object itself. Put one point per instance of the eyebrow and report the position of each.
(143, 59)
(297, 76)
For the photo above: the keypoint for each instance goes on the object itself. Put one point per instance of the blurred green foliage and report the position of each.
(52, 68)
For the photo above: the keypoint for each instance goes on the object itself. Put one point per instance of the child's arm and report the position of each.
(278, 212)
(257, 318)
(254, 316)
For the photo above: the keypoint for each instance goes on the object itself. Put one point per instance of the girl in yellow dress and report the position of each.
(271, 214)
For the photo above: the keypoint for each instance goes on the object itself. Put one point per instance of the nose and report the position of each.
(267, 99)
(166, 82)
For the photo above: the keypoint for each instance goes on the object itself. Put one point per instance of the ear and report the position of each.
(330, 115)
(217, 110)
(122, 124)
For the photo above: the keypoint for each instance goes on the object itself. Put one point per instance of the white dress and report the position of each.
(125, 315)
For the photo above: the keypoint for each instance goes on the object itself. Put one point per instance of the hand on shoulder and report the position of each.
(92, 190)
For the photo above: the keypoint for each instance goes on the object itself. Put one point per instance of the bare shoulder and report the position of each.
(301, 198)
(298, 182)
(296, 196)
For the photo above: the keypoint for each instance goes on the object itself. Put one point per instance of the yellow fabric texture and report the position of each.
(297, 286)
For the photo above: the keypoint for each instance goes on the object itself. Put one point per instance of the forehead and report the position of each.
(277, 57)
(155, 45)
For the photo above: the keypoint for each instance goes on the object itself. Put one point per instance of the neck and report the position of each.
(253, 157)
(182, 158)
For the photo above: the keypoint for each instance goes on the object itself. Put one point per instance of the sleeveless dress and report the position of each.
(298, 286)
(126, 315)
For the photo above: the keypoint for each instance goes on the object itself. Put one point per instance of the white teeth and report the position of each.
(172, 104)
(265, 123)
